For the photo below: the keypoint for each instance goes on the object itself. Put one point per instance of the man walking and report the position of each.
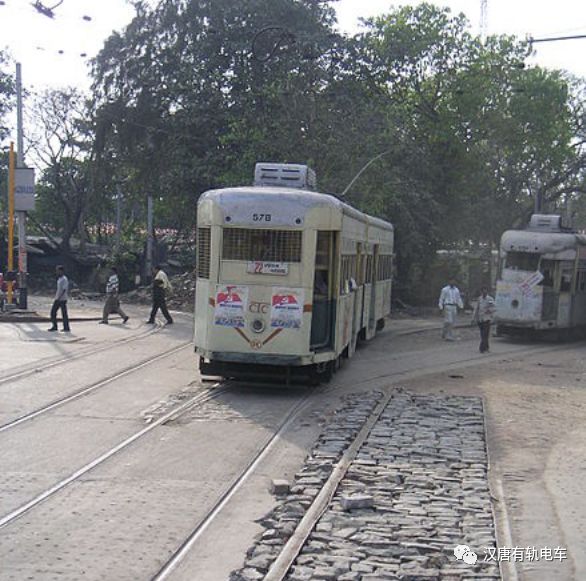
(449, 302)
(483, 315)
(161, 286)
(60, 301)
(112, 299)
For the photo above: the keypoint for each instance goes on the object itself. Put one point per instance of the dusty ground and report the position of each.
(536, 423)
(535, 403)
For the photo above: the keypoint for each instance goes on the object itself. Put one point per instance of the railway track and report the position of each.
(205, 395)
(299, 537)
(90, 388)
(54, 362)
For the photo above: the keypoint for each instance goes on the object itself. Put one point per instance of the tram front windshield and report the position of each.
(528, 261)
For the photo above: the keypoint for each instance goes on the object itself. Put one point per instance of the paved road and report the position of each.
(123, 518)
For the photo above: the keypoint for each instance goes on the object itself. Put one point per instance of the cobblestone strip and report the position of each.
(425, 466)
(281, 523)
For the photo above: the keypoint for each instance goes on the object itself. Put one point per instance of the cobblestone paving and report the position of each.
(425, 465)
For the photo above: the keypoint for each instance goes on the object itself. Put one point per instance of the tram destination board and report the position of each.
(262, 267)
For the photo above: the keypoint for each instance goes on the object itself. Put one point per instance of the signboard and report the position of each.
(286, 308)
(257, 267)
(231, 303)
(24, 189)
(530, 282)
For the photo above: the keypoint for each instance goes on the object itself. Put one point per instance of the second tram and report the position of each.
(288, 279)
(542, 282)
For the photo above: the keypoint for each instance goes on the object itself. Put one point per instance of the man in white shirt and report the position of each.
(161, 287)
(449, 302)
(60, 301)
(112, 298)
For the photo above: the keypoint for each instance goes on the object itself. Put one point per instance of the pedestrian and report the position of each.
(449, 302)
(60, 301)
(161, 287)
(483, 315)
(112, 298)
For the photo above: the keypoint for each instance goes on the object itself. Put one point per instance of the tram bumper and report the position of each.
(283, 368)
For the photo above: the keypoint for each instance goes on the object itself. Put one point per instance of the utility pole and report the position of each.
(10, 283)
(22, 256)
(118, 218)
(149, 248)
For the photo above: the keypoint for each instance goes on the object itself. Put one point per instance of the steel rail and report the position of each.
(281, 565)
(80, 355)
(200, 398)
(178, 556)
(90, 388)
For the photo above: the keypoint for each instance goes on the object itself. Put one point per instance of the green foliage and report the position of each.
(194, 92)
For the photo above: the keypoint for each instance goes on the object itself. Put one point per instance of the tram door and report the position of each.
(323, 315)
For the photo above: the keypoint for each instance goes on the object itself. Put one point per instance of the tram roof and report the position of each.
(540, 242)
(305, 199)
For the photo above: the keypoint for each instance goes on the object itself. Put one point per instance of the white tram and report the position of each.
(542, 284)
(288, 279)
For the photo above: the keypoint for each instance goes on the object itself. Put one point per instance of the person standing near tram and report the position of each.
(483, 315)
(449, 302)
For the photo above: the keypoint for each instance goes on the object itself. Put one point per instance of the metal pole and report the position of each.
(118, 218)
(149, 256)
(22, 256)
(10, 218)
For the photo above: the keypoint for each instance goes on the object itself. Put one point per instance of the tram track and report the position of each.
(206, 395)
(214, 511)
(79, 393)
(54, 362)
(256, 458)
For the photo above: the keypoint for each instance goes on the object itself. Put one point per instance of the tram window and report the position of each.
(257, 245)
(566, 281)
(203, 252)
(522, 261)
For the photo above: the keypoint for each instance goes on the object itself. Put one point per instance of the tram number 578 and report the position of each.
(261, 217)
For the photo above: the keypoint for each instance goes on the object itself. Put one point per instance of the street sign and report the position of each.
(24, 189)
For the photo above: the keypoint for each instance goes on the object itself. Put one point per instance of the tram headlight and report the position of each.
(258, 325)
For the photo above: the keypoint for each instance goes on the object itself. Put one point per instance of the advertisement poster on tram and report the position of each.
(231, 303)
(286, 308)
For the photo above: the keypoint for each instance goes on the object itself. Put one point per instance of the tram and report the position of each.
(542, 282)
(288, 279)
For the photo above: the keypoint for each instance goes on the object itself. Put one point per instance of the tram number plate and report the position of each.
(261, 267)
(261, 217)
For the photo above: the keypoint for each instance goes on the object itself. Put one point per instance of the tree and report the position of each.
(61, 148)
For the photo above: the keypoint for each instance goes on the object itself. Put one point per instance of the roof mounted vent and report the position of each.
(284, 175)
(548, 223)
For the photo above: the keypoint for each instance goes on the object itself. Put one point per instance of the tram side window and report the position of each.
(385, 267)
(522, 261)
(348, 273)
(203, 252)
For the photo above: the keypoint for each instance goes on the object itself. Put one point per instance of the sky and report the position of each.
(36, 41)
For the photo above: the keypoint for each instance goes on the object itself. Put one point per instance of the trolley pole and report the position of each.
(22, 255)
(10, 219)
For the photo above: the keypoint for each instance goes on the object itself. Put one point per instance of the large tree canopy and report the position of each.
(467, 138)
